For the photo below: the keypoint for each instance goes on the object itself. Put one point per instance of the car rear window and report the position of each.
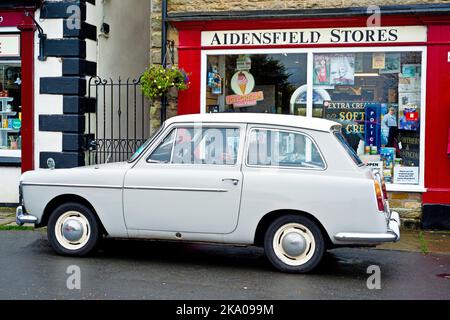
(348, 148)
(277, 148)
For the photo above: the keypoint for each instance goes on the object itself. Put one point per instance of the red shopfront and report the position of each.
(17, 31)
(405, 67)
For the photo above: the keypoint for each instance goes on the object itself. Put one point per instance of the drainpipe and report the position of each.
(163, 54)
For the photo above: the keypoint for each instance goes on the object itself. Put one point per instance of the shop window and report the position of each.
(10, 109)
(283, 149)
(256, 83)
(376, 96)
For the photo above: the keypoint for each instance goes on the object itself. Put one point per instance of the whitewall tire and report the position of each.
(73, 230)
(294, 243)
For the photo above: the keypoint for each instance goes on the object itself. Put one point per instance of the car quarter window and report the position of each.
(209, 145)
(163, 153)
(278, 148)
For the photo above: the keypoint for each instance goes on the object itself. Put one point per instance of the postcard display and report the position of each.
(10, 124)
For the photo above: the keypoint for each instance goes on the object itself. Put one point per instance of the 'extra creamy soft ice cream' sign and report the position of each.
(366, 35)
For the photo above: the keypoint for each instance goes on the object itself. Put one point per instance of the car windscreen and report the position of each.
(348, 148)
(145, 145)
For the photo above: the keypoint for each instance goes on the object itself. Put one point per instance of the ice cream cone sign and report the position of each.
(242, 83)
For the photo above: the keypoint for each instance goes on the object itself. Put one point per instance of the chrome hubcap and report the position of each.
(72, 230)
(294, 244)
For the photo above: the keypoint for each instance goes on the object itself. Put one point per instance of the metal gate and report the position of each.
(121, 122)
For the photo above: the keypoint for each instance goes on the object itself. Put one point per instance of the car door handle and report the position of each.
(235, 181)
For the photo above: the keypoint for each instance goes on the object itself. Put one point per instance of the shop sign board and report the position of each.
(351, 115)
(245, 100)
(364, 35)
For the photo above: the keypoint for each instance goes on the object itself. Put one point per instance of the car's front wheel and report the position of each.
(73, 230)
(294, 244)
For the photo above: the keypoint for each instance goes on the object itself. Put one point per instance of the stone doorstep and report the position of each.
(7, 211)
(7, 215)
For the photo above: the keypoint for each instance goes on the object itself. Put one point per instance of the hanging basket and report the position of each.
(157, 80)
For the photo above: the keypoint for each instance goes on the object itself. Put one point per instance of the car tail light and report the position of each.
(383, 188)
(379, 193)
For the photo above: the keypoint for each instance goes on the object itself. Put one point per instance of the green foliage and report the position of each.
(423, 243)
(157, 80)
(16, 228)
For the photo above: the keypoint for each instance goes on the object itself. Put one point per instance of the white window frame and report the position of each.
(4, 152)
(309, 106)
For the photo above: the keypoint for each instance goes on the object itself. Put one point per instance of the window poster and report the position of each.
(408, 117)
(406, 175)
(411, 70)
(342, 69)
(409, 84)
(322, 70)
(378, 60)
(410, 152)
(387, 155)
(215, 81)
(392, 63)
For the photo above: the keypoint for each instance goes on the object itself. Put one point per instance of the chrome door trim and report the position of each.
(174, 189)
(67, 185)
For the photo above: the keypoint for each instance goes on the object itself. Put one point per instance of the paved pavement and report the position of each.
(159, 270)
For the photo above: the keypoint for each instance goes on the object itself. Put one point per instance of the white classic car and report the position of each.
(290, 184)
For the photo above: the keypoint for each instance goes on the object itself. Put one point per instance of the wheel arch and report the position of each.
(268, 218)
(66, 198)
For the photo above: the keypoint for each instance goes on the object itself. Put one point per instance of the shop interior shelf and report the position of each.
(8, 113)
(10, 130)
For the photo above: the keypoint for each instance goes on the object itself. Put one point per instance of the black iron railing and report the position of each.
(121, 120)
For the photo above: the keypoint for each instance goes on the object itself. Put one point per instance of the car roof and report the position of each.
(258, 118)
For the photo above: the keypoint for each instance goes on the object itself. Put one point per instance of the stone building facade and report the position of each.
(408, 204)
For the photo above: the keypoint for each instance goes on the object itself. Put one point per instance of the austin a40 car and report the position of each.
(289, 184)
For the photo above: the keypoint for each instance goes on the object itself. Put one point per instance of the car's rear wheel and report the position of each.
(73, 230)
(294, 244)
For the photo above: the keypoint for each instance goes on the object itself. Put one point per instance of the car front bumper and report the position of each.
(391, 235)
(22, 217)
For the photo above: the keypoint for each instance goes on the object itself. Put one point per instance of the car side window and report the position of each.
(163, 153)
(206, 146)
(283, 149)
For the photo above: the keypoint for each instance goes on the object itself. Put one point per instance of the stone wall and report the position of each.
(229, 5)
(409, 207)
(155, 57)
